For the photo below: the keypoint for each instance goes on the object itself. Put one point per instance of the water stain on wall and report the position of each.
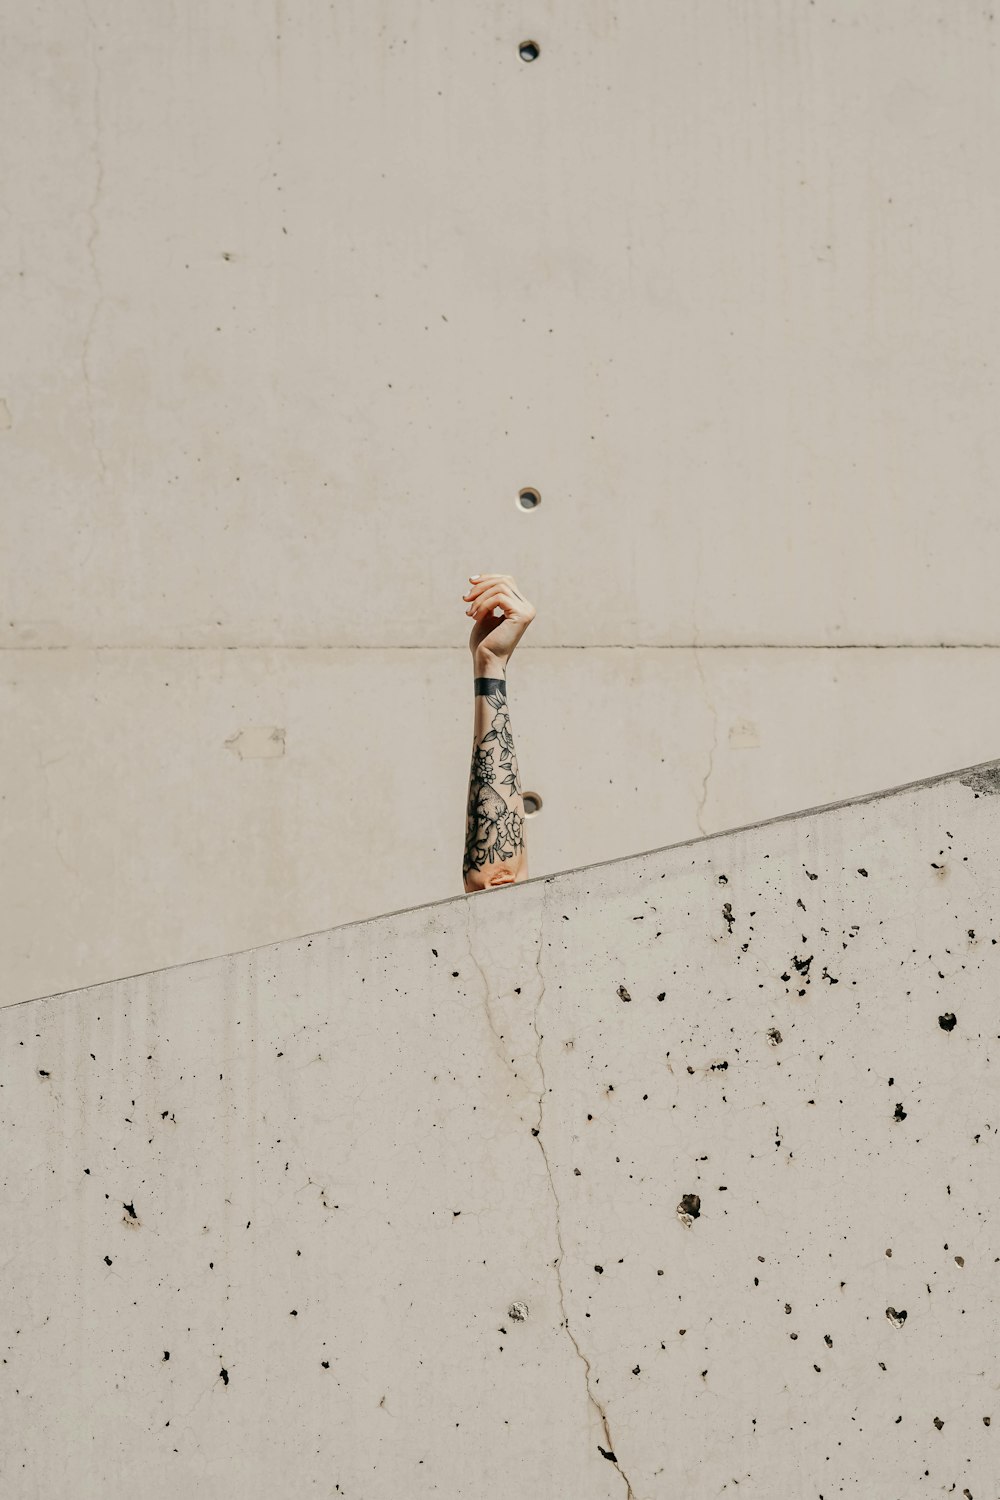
(260, 742)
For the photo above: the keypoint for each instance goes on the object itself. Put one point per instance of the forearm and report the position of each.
(494, 844)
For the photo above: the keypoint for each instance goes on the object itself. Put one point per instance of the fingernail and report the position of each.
(474, 576)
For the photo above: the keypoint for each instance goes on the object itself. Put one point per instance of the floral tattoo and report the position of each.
(494, 829)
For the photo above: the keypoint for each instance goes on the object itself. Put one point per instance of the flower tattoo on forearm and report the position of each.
(494, 829)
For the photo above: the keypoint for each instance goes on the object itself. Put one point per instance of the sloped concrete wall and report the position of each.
(669, 1176)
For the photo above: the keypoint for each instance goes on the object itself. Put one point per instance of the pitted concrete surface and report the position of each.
(670, 1176)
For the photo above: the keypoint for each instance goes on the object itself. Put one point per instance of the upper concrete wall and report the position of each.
(299, 292)
(297, 299)
(663, 1176)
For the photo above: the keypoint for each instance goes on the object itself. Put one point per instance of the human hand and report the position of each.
(494, 636)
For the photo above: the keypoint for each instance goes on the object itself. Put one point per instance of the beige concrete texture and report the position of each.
(673, 1175)
(298, 301)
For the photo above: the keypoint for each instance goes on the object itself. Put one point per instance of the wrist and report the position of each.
(484, 665)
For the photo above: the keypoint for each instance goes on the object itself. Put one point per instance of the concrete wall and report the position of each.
(674, 1175)
(297, 299)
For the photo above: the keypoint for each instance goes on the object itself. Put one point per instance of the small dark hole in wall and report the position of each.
(528, 499)
(528, 51)
(532, 804)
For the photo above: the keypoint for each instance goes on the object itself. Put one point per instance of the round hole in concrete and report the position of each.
(528, 51)
(532, 804)
(528, 499)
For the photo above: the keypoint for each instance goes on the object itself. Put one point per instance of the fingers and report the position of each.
(489, 599)
(477, 589)
(477, 584)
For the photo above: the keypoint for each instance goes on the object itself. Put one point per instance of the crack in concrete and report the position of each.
(715, 741)
(92, 212)
(696, 632)
(482, 974)
(49, 810)
(630, 1493)
(610, 1454)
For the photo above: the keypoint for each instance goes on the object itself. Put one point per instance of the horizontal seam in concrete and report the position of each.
(594, 646)
(497, 895)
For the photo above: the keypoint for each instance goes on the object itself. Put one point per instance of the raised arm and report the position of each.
(495, 852)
